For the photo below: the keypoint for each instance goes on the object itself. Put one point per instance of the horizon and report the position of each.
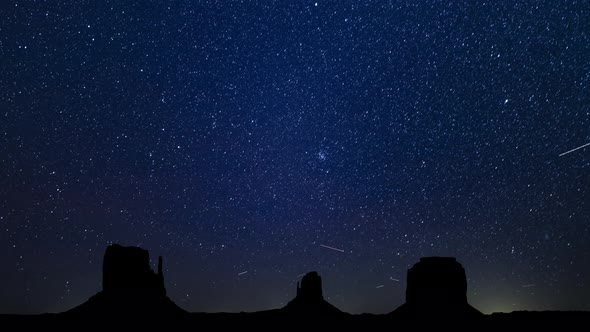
(250, 142)
(296, 281)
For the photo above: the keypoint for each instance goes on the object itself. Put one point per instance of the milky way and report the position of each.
(252, 136)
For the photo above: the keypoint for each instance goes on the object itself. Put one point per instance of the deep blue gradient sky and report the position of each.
(233, 136)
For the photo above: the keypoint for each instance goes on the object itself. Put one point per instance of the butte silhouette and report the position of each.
(133, 297)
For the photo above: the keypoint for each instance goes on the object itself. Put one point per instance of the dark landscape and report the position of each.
(134, 296)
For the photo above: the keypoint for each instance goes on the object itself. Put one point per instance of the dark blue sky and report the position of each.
(233, 136)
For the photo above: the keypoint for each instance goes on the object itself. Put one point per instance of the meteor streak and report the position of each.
(331, 248)
(572, 150)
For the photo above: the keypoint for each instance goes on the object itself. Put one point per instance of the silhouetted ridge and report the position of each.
(309, 298)
(437, 286)
(129, 285)
(134, 299)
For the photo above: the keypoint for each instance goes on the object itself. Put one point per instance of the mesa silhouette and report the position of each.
(134, 296)
(437, 286)
(129, 286)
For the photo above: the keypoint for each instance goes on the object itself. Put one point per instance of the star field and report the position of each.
(250, 136)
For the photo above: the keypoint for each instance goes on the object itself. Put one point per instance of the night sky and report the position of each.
(241, 139)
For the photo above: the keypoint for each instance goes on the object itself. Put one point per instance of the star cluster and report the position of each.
(233, 136)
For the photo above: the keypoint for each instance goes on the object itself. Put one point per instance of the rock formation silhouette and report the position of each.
(127, 270)
(309, 298)
(437, 286)
(129, 285)
(134, 298)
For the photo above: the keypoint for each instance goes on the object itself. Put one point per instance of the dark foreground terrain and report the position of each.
(275, 320)
(134, 298)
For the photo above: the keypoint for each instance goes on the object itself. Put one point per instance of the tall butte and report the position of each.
(437, 286)
(129, 285)
(310, 299)
(126, 270)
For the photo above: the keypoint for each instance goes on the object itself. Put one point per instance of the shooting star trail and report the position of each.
(242, 273)
(527, 286)
(380, 286)
(572, 150)
(331, 248)
(301, 275)
(393, 279)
